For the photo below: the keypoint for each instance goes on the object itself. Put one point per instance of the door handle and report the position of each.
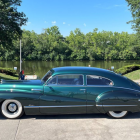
(83, 89)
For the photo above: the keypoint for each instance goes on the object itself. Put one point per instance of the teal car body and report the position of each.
(100, 91)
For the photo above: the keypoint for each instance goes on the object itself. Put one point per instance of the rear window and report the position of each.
(98, 80)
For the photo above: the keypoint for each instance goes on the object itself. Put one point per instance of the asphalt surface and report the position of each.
(71, 127)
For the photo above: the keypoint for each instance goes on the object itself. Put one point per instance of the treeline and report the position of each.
(95, 45)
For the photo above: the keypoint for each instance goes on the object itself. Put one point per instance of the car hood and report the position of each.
(22, 82)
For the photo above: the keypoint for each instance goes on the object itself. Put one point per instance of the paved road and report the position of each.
(71, 127)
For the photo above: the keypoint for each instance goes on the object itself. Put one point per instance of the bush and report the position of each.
(8, 71)
(127, 69)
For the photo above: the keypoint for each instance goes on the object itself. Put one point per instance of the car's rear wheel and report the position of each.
(117, 114)
(11, 109)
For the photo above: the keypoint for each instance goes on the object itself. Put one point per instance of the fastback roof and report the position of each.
(77, 68)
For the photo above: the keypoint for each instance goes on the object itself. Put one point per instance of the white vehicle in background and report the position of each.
(30, 77)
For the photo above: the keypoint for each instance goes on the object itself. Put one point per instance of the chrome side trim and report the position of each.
(31, 106)
(89, 105)
(36, 89)
(96, 86)
(83, 89)
(114, 105)
(127, 88)
(56, 106)
(99, 105)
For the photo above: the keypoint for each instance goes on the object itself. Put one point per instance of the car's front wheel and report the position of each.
(117, 114)
(11, 109)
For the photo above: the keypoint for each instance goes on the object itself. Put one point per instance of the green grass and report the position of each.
(8, 77)
(135, 75)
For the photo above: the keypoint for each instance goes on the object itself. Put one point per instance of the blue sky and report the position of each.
(108, 15)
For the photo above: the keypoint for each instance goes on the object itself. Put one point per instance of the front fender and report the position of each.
(26, 99)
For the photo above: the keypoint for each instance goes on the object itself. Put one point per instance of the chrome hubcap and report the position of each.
(12, 107)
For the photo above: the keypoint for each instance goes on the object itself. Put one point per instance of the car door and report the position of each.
(64, 94)
(96, 85)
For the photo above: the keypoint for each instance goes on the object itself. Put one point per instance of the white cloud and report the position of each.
(45, 22)
(53, 22)
(108, 7)
(68, 24)
(119, 5)
(116, 5)
(28, 23)
(85, 24)
(64, 22)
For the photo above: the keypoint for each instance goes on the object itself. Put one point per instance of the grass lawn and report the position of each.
(8, 77)
(135, 75)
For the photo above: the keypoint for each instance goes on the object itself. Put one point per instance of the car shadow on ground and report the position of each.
(79, 116)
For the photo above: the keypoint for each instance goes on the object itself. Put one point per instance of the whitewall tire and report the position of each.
(117, 114)
(11, 109)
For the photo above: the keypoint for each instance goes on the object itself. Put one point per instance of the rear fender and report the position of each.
(118, 100)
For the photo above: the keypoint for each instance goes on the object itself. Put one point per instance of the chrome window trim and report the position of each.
(66, 85)
(99, 85)
(81, 85)
(52, 77)
(63, 85)
(57, 106)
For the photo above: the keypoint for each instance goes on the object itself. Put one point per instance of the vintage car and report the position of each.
(70, 90)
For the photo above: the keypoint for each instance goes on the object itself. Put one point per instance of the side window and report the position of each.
(52, 81)
(47, 76)
(70, 79)
(98, 80)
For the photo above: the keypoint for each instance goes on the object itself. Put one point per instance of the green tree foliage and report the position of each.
(77, 44)
(135, 11)
(51, 45)
(10, 21)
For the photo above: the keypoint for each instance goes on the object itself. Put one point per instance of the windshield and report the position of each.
(46, 77)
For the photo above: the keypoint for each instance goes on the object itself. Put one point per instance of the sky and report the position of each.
(108, 15)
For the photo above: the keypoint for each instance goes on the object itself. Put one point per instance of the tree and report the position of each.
(77, 44)
(51, 45)
(10, 21)
(135, 11)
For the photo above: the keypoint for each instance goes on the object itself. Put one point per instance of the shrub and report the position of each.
(8, 71)
(127, 69)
